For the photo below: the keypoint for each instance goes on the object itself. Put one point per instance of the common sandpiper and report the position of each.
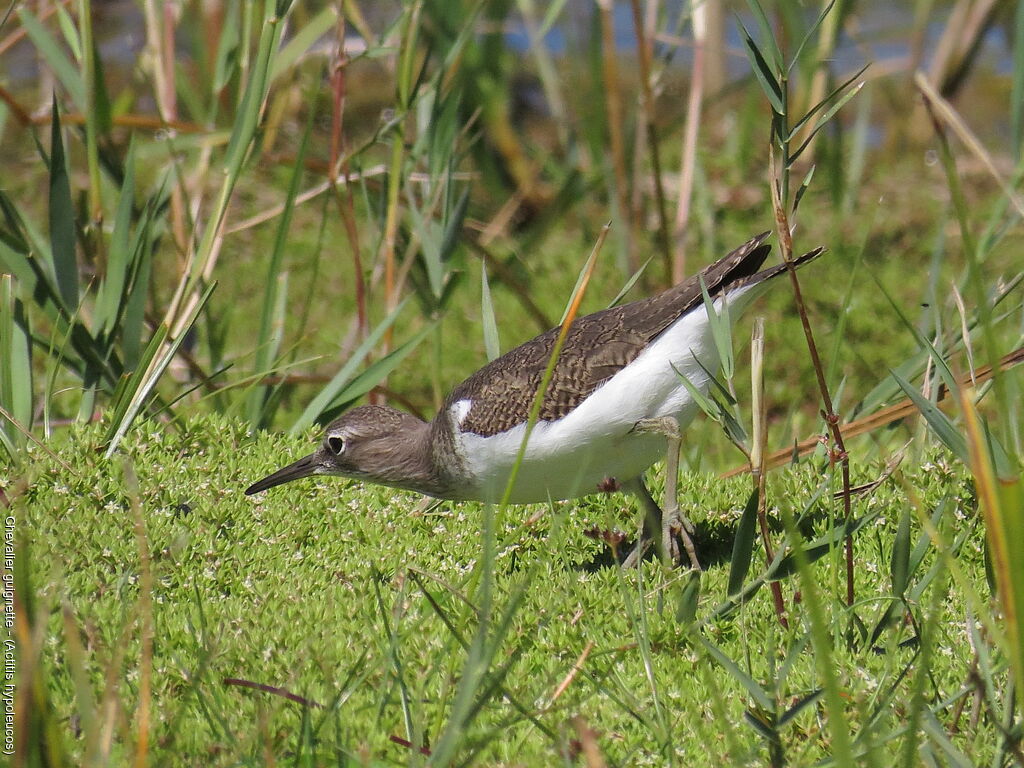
(620, 370)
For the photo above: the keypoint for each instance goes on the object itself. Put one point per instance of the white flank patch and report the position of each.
(571, 456)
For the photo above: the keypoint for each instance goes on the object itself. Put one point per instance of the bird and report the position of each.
(618, 376)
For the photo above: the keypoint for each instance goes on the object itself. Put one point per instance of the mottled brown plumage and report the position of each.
(598, 346)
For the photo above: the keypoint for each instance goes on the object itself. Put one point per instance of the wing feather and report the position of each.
(602, 344)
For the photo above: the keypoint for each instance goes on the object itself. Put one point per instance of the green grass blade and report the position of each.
(62, 219)
(340, 380)
(113, 289)
(937, 733)
(763, 72)
(239, 144)
(743, 546)
(823, 120)
(1000, 500)
(429, 233)
(757, 693)
(77, 662)
(22, 235)
(79, 350)
(33, 280)
(275, 296)
(899, 561)
(476, 664)
(689, 599)
(629, 284)
(824, 102)
(16, 370)
(809, 33)
(940, 423)
(817, 548)
(790, 714)
(69, 31)
(492, 343)
(804, 186)
(149, 375)
(253, 97)
(66, 71)
(374, 373)
(226, 63)
(130, 383)
(721, 332)
(97, 111)
(793, 655)
(132, 323)
(768, 37)
(303, 40)
(708, 405)
(554, 10)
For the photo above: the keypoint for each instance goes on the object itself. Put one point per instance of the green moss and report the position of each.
(282, 589)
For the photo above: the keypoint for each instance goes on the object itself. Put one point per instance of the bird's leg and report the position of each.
(674, 522)
(650, 521)
(652, 527)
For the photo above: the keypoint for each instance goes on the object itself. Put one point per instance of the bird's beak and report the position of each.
(304, 467)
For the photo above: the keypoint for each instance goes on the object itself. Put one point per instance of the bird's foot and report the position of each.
(670, 545)
(675, 533)
(637, 553)
(677, 519)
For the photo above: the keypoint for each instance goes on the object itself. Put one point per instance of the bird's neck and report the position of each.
(410, 461)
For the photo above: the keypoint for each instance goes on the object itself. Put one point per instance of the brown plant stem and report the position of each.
(344, 200)
(613, 107)
(643, 46)
(272, 689)
(689, 148)
(838, 453)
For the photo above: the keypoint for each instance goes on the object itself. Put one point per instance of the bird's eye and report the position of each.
(336, 444)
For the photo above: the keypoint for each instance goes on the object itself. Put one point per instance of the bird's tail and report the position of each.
(774, 271)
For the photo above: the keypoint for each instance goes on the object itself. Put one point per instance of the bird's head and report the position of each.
(371, 442)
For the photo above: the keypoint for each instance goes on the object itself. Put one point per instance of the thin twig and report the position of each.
(837, 454)
(567, 681)
(588, 743)
(145, 618)
(407, 744)
(273, 689)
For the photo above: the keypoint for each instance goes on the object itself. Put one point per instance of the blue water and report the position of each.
(883, 29)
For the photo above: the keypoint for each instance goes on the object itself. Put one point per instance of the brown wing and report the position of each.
(603, 343)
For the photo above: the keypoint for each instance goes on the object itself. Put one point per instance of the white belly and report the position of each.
(572, 456)
(555, 470)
